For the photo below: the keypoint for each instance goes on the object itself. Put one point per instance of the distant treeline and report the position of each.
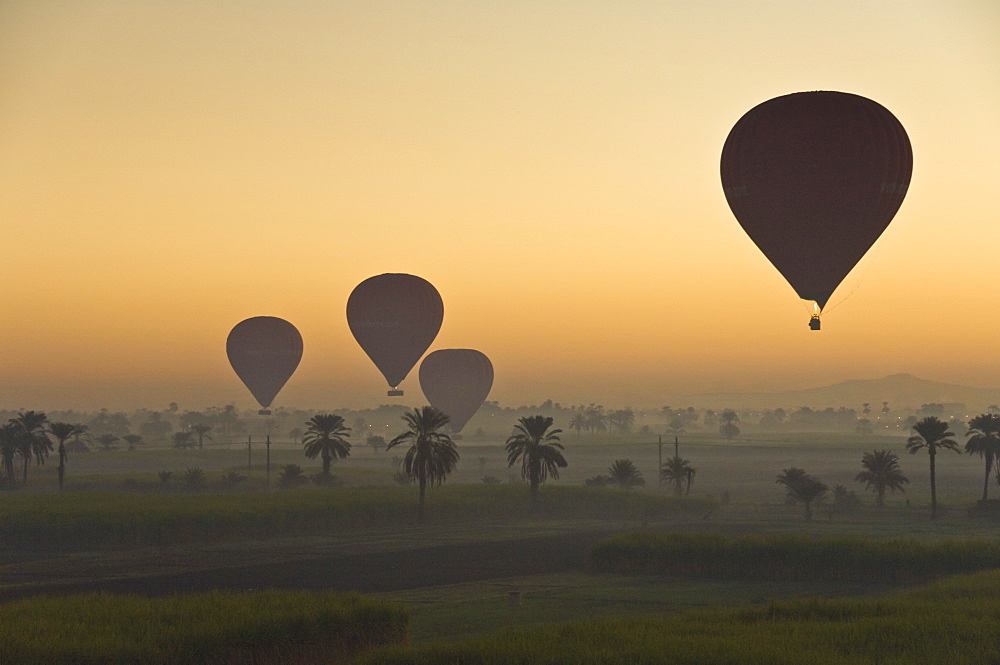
(227, 424)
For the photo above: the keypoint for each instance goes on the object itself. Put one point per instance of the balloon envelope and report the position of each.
(395, 317)
(264, 352)
(814, 178)
(456, 381)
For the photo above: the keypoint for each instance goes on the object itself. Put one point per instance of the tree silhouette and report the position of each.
(984, 440)
(326, 435)
(31, 440)
(881, 472)
(62, 432)
(132, 440)
(108, 441)
(578, 422)
(728, 428)
(802, 487)
(184, 439)
(376, 442)
(8, 449)
(932, 434)
(677, 472)
(202, 430)
(536, 444)
(432, 454)
(624, 473)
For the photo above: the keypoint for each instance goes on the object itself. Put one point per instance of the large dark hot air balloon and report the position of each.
(264, 352)
(456, 381)
(814, 178)
(395, 317)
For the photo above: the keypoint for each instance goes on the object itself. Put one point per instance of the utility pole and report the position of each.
(677, 449)
(268, 444)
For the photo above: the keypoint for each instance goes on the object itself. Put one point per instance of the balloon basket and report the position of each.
(814, 323)
(264, 412)
(395, 393)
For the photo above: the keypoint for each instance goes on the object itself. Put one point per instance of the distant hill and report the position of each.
(902, 391)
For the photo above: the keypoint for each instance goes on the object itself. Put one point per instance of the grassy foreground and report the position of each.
(952, 621)
(792, 557)
(97, 520)
(209, 629)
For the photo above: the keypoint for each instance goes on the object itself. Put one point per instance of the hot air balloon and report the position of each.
(456, 381)
(264, 352)
(395, 317)
(814, 178)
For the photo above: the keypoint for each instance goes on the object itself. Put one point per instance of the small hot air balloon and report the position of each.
(814, 178)
(456, 381)
(264, 352)
(395, 317)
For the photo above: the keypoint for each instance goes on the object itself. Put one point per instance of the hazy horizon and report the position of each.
(172, 169)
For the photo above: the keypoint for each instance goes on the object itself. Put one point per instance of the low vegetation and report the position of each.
(791, 557)
(952, 621)
(218, 628)
(99, 520)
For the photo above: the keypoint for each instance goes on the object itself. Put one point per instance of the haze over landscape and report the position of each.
(170, 169)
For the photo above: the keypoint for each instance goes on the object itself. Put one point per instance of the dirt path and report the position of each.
(452, 563)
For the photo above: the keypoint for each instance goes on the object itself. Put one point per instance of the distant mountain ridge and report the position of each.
(902, 391)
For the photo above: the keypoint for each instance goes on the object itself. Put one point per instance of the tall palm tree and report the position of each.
(326, 435)
(932, 434)
(984, 439)
(202, 430)
(728, 428)
(578, 422)
(8, 449)
(676, 472)
(625, 474)
(31, 439)
(881, 473)
(62, 432)
(802, 487)
(536, 444)
(432, 454)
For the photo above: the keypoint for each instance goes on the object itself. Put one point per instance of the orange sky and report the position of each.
(168, 169)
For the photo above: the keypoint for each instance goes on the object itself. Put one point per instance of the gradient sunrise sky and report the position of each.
(169, 168)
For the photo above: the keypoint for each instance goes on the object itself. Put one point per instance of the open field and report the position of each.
(950, 621)
(118, 528)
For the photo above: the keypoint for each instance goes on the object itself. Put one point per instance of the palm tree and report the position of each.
(881, 473)
(675, 428)
(984, 439)
(326, 435)
(432, 454)
(578, 422)
(728, 427)
(132, 440)
(802, 487)
(624, 473)
(31, 439)
(8, 449)
(202, 430)
(376, 442)
(677, 471)
(62, 432)
(538, 448)
(931, 433)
